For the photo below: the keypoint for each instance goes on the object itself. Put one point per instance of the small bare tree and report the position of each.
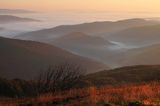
(60, 77)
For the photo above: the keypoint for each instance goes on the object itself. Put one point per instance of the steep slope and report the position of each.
(25, 59)
(125, 75)
(139, 36)
(89, 46)
(10, 18)
(96, 29)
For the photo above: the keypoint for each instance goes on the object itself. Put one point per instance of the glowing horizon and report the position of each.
(84, 5)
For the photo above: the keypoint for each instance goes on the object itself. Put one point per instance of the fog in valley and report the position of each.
(79, 52)
(49, 20)
(105, 37)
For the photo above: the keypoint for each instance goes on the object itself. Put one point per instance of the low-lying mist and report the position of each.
(49, 20)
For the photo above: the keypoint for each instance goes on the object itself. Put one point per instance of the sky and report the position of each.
(151, 6)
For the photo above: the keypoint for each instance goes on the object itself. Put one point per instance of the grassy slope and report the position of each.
(146, 93)
(125, 75)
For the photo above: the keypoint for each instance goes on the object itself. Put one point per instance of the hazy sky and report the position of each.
(84, 5)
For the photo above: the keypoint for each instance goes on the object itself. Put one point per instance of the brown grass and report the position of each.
(147, 94)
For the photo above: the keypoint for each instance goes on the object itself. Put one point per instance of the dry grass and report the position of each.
(147, 94)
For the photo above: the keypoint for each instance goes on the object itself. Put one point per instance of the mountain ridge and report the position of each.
(10, 18)
(95, 29)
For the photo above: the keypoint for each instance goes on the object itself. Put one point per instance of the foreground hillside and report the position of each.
(132, 95)
(25, 59)
(125, 75)
(127, 86)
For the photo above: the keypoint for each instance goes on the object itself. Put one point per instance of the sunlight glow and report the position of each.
(84, 5)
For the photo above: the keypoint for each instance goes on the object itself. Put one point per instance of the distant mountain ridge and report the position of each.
(82, 38)
(12, 11)
(10, 19)
(107, 42)
(95, 29)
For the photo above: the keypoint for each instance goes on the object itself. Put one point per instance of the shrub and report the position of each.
(135, 103)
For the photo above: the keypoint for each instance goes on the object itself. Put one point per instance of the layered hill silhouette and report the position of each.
(125, 75)
(112, 43)
(25, 59)
(11, 19)
(95, 29)
(88, 39)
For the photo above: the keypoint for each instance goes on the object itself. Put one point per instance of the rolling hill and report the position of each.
(125, 75)
(79, 38)
(121, 36)
(102, 50)
(89, 46)
(10, 19)
(138, 36)
(25, 59)
(148, 55)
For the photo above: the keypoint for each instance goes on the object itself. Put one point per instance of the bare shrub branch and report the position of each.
(60, 77)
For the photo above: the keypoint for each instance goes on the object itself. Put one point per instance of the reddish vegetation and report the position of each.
(147, 94)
